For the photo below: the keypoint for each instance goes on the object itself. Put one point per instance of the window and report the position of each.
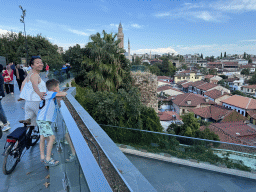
(238, 111)
(183, 110)
(242, 113)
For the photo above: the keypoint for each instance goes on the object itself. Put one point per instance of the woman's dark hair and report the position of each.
(33, 58)
(1, 68)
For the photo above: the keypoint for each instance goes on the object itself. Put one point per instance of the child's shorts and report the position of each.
(45, 128)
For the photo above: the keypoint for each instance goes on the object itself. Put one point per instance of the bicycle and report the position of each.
(16, 142)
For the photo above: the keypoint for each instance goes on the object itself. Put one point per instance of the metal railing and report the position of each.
(230, 155)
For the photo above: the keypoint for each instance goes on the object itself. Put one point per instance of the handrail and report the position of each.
(92, 172)
(193, 138)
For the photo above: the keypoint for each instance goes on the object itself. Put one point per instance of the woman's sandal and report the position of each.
(71, 158)
(51, 163)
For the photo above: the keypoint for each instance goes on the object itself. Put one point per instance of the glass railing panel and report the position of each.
(230, 155)
(73, 177)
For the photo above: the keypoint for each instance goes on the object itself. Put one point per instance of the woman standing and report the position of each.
(20, 75)
(33, 89)
(3, 118)
(8, 80)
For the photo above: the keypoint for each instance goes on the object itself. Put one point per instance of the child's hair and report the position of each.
(51, 84)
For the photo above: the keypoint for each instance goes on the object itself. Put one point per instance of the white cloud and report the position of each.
(205, 15)
(135, 25)
(235, 5)
(78, 32)
(114, 25)
(3, 32)
(250, 40)
(217, 11)
(155, 51)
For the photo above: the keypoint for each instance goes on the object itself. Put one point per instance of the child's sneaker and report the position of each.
(6, 127)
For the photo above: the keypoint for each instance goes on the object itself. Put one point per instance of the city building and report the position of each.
(190, 58)
(216, 95)
(249, 89)
(240, 104)
(182, 104)
(187, 75)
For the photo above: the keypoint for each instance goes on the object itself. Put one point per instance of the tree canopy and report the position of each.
(12, 46)
(104, 67)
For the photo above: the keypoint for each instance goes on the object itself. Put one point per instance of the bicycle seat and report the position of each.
(27, 121)
(20, 99)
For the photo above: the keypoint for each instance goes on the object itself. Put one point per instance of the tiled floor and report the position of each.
(29, 175)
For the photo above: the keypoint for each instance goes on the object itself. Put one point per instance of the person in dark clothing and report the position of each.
(12, 65)
(3, 118)
(20, 75)
(67, 70)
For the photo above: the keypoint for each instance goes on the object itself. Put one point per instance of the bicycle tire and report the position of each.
(34, 137)
(9, 154)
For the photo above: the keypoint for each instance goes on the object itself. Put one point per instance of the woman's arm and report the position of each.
(34, 80)
(23, 83)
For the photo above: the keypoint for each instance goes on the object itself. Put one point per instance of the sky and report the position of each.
(160, 26)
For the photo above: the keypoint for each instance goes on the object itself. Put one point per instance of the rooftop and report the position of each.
(168, 116)
(215, 93)
(241, 102)
(181, 100)
(215, 112)
(249, 86)
(206, 86)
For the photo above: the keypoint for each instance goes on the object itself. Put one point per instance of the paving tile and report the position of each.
(30, 162)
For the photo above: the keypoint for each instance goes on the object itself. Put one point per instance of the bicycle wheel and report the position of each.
(11, 159)
(34, 136)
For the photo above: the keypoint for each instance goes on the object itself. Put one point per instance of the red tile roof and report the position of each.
(231, 79)
(233, 132)
(250, 86)
(233, 116)
(163, 77)
(206, 86)
(181, 82)
(208, 76)
(186, 85)
(252, 113)
(247, 66)
(213, 63)
(230, 63)
(168, 116)
(241, 102)
(181, 100)
(215, 112)
(214, 94)
(237, 129)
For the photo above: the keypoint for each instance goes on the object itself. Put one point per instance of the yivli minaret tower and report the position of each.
(120, 35)
(129, 53)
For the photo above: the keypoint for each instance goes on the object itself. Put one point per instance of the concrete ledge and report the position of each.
(190, 163)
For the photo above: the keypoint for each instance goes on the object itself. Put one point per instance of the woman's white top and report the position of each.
(28, 92)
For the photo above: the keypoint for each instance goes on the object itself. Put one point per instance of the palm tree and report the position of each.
(104, 62)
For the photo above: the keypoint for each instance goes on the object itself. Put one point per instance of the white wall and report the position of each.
(234, 108)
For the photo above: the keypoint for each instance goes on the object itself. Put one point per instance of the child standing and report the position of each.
(46, 115)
